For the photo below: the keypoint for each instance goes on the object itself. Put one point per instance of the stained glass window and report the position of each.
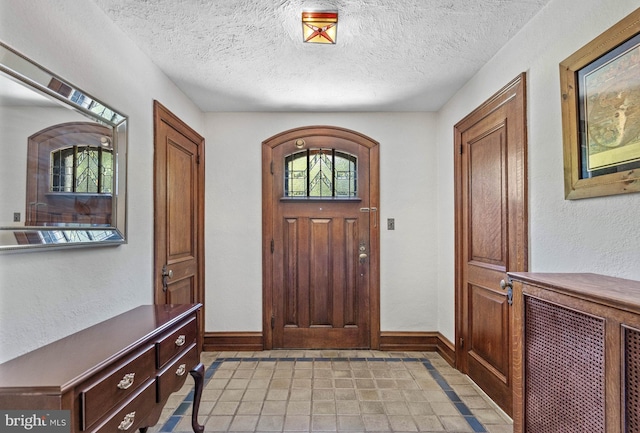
(320, 173)
(82, 169)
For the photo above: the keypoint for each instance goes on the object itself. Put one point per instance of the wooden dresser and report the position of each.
(115, 376)
(576, 343)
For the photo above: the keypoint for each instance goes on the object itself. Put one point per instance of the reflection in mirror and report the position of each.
(62, 161)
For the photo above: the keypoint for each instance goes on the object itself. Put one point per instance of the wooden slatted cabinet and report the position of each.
(576, 352)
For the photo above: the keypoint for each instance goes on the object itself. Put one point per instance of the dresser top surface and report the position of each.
(67, 361)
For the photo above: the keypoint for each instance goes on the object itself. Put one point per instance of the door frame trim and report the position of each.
(161, 114)
(514, 89)
(267, 223)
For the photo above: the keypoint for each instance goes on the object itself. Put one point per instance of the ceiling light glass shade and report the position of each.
(319, 27)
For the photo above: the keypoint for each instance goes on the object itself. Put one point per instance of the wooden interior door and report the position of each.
(491, 236)
(321, 254)
(178, 211)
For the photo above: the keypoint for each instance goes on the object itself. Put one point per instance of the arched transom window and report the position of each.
(82, 169)
(320, 173)
(70, 175)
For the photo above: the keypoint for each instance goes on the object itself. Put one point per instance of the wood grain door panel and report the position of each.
(320, 283)
(181, 221)
(487, 257)
(324, 286)
(181, 291)
(489, 317)
(178, 212)
(487, 197)
(320, 264)
(491, 236)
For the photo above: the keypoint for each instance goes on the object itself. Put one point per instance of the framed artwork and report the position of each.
(600, 86)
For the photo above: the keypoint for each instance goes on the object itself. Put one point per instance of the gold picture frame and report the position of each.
(600, 89)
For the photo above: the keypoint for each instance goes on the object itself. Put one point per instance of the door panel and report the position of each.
(320, 272)
(487, 202)
(317, 288)
(178, 212)
(181, 222)
(181, 291)
(491, 236)
(489, 331)
(488, 348)
(323, 281)
(348, 303)
(321, 285)
(488, 327)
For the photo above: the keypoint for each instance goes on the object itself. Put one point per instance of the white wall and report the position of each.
(600, 235)
(47, 295)
(234, 214)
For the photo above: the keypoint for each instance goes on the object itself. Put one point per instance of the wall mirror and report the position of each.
(63, 162)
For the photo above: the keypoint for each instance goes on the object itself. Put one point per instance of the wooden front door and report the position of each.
(178, 211)
(491, 235)
(320, 240)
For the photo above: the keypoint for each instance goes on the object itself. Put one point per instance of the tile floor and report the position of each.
(333, 391)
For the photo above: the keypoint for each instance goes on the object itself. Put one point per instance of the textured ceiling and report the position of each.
(391, 55)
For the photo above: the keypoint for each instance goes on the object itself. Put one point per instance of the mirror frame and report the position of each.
(21, 69)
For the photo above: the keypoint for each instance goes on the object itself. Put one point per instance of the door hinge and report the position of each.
(272, 246)
(461, 149)
(197, 159)
(271, 167)
(461, 342)
(273, 321)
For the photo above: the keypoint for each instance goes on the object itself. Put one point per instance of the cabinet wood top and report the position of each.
(66, 362)
(612, 291)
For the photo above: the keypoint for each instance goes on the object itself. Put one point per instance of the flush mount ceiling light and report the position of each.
(319, 27)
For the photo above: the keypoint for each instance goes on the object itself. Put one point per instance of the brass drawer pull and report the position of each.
(181, 370)
(127, 422)
(126, 381)
(180, 340)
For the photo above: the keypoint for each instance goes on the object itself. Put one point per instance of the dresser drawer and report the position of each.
(101, 394)
(129, 415)
(173, 376)
(175, 342)
(80, 373)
